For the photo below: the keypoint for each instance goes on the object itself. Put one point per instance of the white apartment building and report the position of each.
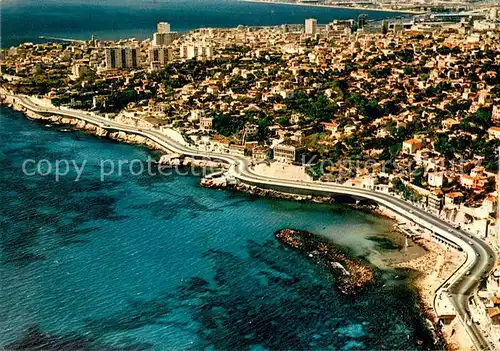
(77, 70)
(494, 14)
(195, 115)
(311, 26)
(285, 153)
(435, 179)
(191, 51)
(163, 27)
(160, 55)
(161, 39)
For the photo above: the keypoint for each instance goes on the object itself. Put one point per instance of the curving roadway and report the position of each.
(480, 257)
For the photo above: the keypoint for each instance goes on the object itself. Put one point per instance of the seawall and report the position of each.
(88, 127)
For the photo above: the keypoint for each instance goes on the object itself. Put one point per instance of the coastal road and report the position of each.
(480, 257)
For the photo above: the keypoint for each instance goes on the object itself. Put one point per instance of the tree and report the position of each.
(263, 130)
(228, 125)
(283, 121)
(408, 70)
(417, 176)
(398, 185)
(423, 77)
(38, 68)
(321, 110)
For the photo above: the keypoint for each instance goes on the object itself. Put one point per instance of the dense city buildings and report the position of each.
(161, 50)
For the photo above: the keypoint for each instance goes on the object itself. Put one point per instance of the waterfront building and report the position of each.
(311, 26)
(285, 153)
(121, 57)
(235, 149)
(339, 28)
(163, 35)
(260, 153)
(156, 108)
(435, 201)
(99, 101)
(362, 20)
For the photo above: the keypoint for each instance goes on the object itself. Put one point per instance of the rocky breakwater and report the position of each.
(176, 160)
(134, 139)
(79, 124)
(215, 183)
(352, 276)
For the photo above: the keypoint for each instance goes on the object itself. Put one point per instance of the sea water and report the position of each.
(158, 262)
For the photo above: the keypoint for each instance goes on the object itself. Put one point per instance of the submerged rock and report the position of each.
(352, 276)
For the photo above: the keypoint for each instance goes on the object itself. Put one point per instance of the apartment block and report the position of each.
(311, 26)
(121, 57)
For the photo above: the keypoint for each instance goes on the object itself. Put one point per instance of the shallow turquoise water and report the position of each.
(115, 19)
(160, 263)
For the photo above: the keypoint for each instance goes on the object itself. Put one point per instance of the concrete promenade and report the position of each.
(480, 257)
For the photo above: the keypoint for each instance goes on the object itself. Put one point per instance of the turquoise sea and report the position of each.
(158, 262)
(26, 20)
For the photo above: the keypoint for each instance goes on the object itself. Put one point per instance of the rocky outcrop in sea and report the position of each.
(352, 275)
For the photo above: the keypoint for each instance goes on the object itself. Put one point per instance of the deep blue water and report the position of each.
(157, 262)
(26, 20)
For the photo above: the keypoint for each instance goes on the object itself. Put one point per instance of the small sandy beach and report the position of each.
(433, 264)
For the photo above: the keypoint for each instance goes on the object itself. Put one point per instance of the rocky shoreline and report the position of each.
(419, 281)
(352, 276)
(166, 161)
(172, 160)
(216, 183)
(87, 127)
